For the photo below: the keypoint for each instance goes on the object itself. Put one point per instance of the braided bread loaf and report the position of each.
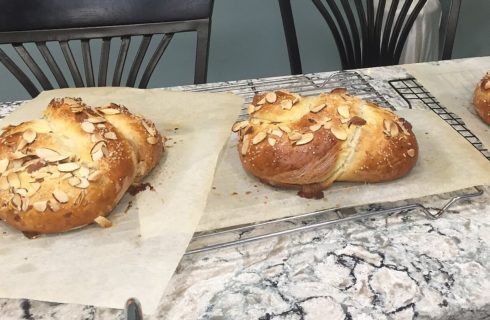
(310, 142)
(72, 166)
(481, 98)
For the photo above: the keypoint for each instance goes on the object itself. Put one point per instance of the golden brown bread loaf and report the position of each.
(481, 98)
(310, 142)
(72, 166)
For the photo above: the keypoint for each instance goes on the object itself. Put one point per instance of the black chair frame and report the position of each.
(106, 33)
(363, 35)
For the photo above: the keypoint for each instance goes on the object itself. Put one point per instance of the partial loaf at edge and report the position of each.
(481, 98)
(310, 142)
(72, 166)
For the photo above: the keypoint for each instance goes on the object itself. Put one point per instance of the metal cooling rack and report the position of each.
(411, 91)
(408, 89)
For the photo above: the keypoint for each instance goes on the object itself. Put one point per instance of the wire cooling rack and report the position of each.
(409, 89)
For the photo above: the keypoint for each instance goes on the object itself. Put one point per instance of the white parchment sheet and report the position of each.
(136, 256)
(447, 162)
(454, 89)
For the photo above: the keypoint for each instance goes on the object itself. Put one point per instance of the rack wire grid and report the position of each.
(409, 89)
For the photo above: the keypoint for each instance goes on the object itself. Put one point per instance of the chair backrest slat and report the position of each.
(343, 30)
(162, 46)
(138, 60)
(354, 31)
(33, 66)
(18, 74)
(364, 29)
(72, 64)
(378, 23)
(51, 62)
(398, 26)
(87, 63)
(388, 27)
(121, 60)
(104, 62)
(449, 29)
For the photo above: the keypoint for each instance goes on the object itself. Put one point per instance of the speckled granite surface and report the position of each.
(402, 266)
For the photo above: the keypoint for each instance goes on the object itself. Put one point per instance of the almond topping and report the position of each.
(245, 144)
(40, 206)
(68, 167)
(357, 121)
(487, 85)
(295, 135)
(386, 125)
(307, 137)
(25, 204)
(50, 155)
(297, 98)
(29, 135)
(318, 108)
(261, 102)
(83, 184)
(74, 181)
(236, 126)
(343, 111)
(4, 163)
(13, 180)
(339, 133)
(250, 109)
(96, 120)
(277, 132)
(152, 140)
(103, 222)
(76, 109)
(110, 135)
(94, 176)
(88, 127)
(84, 172)
(109, 111)
(149, 128)
(271, 141)
(4, 184)
(394, 131)
(271, 97)
(259, 137)
(60, 196)
(411, 153)
(284, 128)
(286, 104)
(21, 191)
(35, 186)
(97, 155)
(53, 206)
(17, 201)
(315, 127)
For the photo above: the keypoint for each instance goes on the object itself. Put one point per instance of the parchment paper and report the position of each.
(453, 85)
(447, 162)
(136, 256)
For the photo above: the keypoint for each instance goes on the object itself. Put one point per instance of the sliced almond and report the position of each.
(316, 127)
(4, 184)
(21, 191)
(22, 144)
(394, 130)
(25, 204)
(284, 128)
(259, 137)
(60, 196)
(55, 175)
(68, 167)
(17, 201)
(261, 101)
(317, 108)
(411, 153)
(97, 155)
(271, 97)
(83, 183)
(88, 127)
(250, 109)
(29, 135)
(245, 144)
(80, 197)
(343, 111)
(110, 135)
(17, 155)
(357, 121)
(286, 104)
(236, 126)
(83, 172)
(40, 206)
(96, 120)
(4, 163)
(96, 137)
(98, 146)
(297, 98)
(45, 153)
(53, 206)
(386, 125)
(94, 176)
(307, 137)
(152, 140)
(294, 136)
(74, 181)
(13, 180)
(271, 141)
(103, 222)
(109, 111)
(33, 188)
(149, 128)
(76, 109)
(339, 133)
(277, 132)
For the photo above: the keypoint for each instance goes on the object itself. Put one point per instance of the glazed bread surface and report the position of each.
(72, 167)
(310, 142)
(481, 98)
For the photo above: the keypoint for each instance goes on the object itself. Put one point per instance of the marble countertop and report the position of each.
(399, 266)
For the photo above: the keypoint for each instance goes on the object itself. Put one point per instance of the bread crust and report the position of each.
(310, 142)
(65, 170)
(481, 98)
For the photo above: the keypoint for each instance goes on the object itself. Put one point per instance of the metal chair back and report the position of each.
(60, 25)
(365, 35)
